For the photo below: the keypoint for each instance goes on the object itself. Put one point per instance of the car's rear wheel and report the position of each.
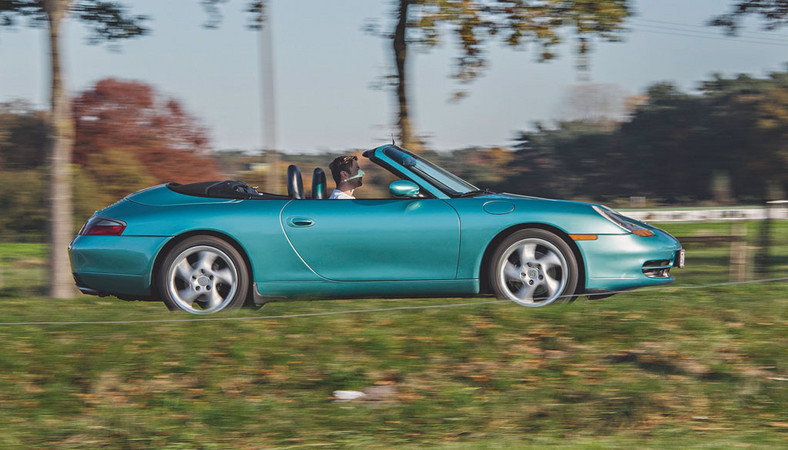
(533, 267)
(203, 275)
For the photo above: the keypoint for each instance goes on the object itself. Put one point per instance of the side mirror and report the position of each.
(404, 189)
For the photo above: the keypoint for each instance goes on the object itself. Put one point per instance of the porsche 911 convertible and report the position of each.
(215, 246)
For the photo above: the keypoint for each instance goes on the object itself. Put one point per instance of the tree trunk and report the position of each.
(400, 58)
(61, 128)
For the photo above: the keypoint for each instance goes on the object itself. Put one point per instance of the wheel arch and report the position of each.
(484, 277)
(182, 237)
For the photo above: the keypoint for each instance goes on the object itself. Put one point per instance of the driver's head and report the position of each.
(345, 168)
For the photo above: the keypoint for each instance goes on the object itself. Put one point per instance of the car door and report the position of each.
(368, 240)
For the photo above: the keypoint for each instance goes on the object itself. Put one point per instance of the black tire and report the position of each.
(203, 275)
(533, 267)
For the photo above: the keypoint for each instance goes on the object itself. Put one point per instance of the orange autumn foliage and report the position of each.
(130, 117)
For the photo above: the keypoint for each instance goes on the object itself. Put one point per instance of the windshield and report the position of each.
(441, 178)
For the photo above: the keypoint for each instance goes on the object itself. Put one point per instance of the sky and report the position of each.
(325, 65)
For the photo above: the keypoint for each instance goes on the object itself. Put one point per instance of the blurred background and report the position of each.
(675, 111)
(631, 103)
(674, 103)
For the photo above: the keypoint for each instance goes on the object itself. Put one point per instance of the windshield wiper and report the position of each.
(476, 192)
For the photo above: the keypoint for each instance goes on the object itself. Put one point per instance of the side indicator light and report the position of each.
(583, 237)
(643, 232)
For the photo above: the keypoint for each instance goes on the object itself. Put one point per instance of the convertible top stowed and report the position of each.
(223, 189)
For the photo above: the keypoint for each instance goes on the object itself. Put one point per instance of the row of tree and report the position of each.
(726, 143)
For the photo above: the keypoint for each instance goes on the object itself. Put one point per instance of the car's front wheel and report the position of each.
(203, 275)
(533, 267)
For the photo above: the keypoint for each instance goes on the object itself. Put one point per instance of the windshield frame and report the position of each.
(447, 182)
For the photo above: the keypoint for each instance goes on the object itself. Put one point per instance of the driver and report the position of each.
(347, 176)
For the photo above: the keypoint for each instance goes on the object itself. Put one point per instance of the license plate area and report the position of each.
(679, 260)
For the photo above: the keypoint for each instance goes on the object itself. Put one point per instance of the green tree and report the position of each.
(24, 214)
(116, 173)
(750, 121)
(667, 142)
(23, 176)
(473, 23)
(676, 147)
(773, 13)
(575, 159)
(23, 136)
(89, 194)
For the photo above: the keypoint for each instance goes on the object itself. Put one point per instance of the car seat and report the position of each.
(295, 185)
(318, 184)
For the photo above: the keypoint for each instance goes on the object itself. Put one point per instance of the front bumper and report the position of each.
(626, 261)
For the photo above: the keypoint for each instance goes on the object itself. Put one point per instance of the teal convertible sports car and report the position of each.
(215, 246)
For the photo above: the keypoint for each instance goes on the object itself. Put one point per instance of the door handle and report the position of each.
(300, 222)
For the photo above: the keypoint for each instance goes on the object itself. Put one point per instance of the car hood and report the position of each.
(567, 215)
(539, 201)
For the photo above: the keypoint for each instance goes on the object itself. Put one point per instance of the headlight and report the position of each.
(622, 221)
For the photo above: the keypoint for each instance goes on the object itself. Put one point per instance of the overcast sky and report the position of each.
(325, 63)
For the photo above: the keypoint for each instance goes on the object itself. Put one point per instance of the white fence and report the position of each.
(708, 214)
(746, 259)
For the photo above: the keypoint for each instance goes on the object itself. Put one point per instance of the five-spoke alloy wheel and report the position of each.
(203, 275)
(533, 267)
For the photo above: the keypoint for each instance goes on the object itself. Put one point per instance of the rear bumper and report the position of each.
(88, 291)
(114, 265)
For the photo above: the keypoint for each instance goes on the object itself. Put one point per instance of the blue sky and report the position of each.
(325, 63)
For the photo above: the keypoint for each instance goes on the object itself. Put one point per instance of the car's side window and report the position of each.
(378, 178)
(382, 191)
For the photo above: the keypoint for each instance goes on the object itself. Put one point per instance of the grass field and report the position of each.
(654, 368)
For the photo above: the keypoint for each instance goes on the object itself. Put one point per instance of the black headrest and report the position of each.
(295, 185)
(318, 184)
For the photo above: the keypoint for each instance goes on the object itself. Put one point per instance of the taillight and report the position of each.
(100, 226)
